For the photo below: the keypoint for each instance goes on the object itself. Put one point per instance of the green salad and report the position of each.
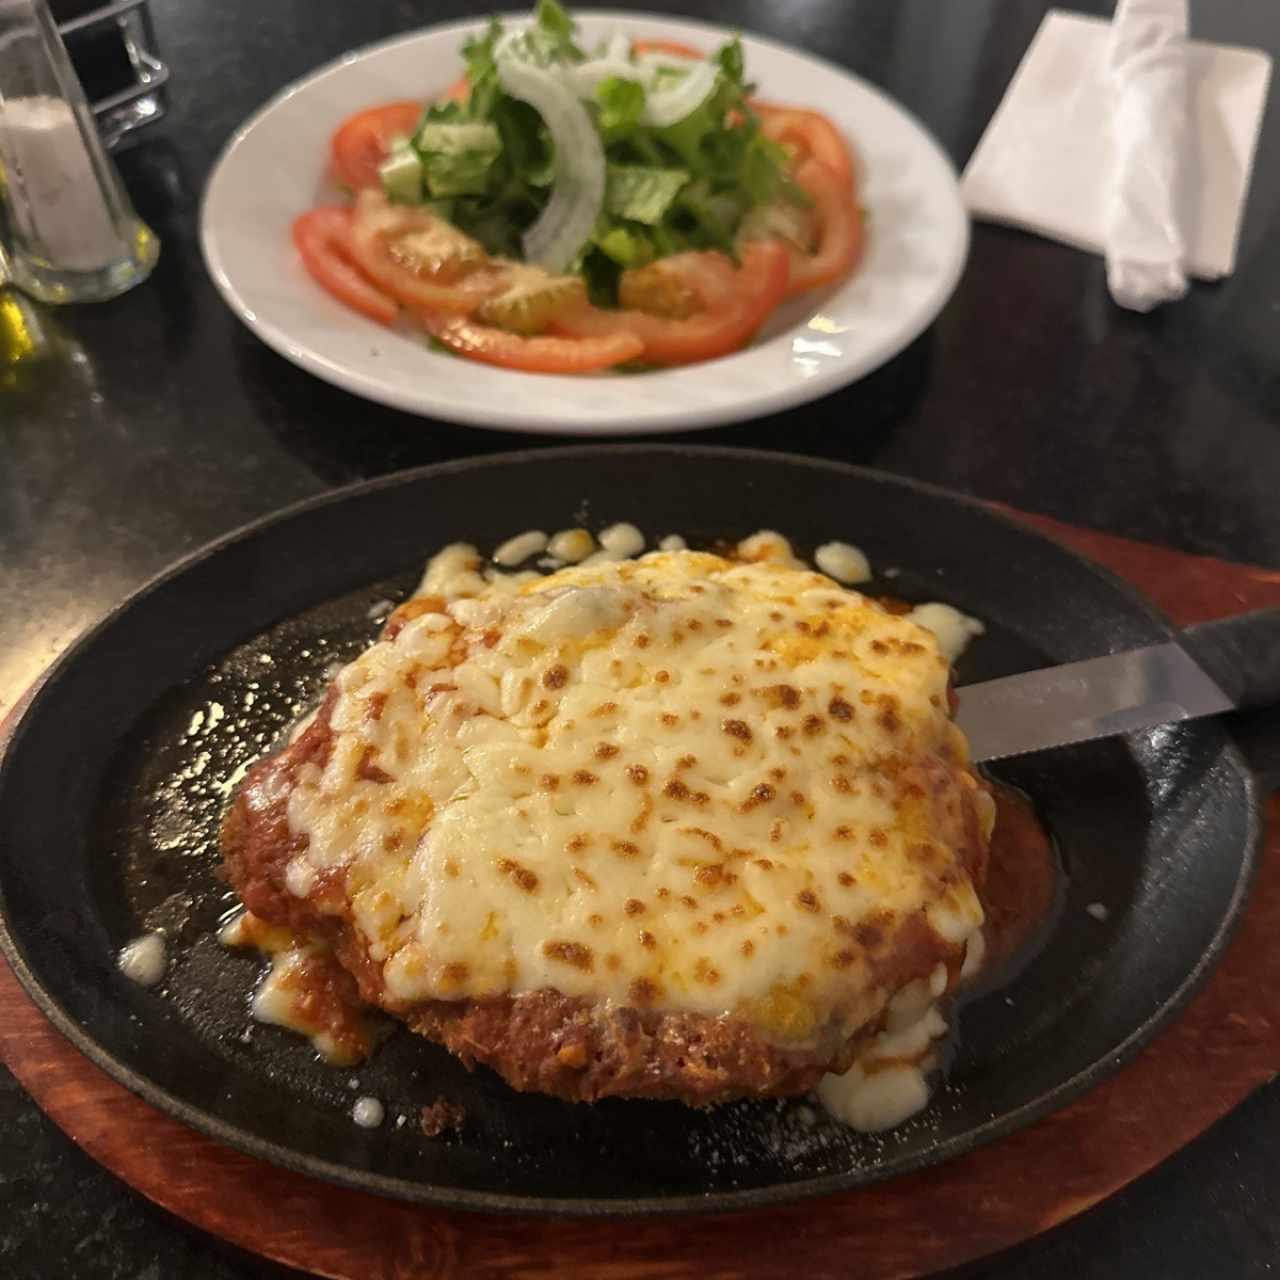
(592, 160)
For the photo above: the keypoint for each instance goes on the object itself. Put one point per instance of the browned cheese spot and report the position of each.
(676, 790)
(846, 879)
(453, 975)
(604, 709)
(813, 725)
(807, 899)
(555, 677)
(570, 953)
(709, 876)
(705, 972)
(549, 781)
(584, 777)
(451, 868)
(644, 992)
(638, 774)
(669, 718)
(369, 771)
(686, 762)
(647, 940)
(625, 847)
(522, 877)
(748, 948)
(595, 919)
(730, 699)
(762, 793)
(634, 907)
(606, 751)
(877, 837)
(583, 878)
(709, 836)
(888, 719)
(737, 729)
(662, 677)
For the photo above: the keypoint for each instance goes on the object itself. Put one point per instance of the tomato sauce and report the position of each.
(1021, 887)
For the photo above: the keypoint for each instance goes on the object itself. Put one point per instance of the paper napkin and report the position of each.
(1125, 138)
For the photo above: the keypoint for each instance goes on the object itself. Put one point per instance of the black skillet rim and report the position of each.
(716, 1202)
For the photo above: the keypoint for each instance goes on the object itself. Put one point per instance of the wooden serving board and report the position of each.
(1225, 1044)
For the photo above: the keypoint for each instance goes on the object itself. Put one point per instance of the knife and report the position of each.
(1228, 665)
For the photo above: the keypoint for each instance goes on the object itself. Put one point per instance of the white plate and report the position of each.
(273, 169)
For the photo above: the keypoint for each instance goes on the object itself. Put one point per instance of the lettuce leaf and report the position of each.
(687, 186)
(640, 193)
(457, 158)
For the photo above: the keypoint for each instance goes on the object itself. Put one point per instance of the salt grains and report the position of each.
(62, 209)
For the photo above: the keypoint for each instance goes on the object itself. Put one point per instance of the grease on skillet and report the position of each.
(248, 701)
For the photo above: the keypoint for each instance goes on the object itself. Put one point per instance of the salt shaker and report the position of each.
(68, 232)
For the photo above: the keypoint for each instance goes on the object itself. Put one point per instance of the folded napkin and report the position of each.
(1128, 139)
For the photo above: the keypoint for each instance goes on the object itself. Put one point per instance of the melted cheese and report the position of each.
(889, 1082)
(676, 781)
(843, 562)
(952, 629)
(286, 995)
(144, 960)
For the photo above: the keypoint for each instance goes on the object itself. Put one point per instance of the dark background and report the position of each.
(157, 422)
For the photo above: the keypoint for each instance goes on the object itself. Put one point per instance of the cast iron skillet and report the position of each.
(111, 788)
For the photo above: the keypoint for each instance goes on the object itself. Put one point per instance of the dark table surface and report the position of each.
(158, 422)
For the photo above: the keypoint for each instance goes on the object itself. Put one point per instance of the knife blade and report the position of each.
(1096, 698)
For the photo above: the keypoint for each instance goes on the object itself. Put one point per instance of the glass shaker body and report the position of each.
(68, 232)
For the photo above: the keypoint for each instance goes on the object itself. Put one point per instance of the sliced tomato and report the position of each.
(710, 275)
(809, 134)
(672, 48)
(323, 239)
(840, 230)
(680, 284)
(540, 354)
(377, 226)
(762, 283)
(362, 141)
